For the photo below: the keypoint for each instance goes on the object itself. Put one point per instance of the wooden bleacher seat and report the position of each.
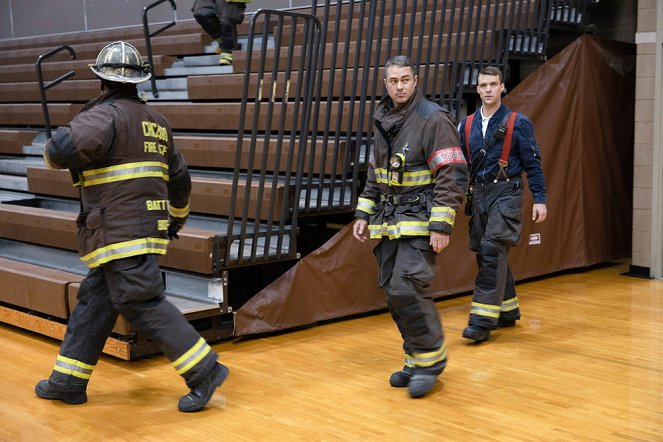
(171, 45)
(12, 141)
(56, 228)
(31, 114)
(208, 195)
(17, 73)
(36, 288)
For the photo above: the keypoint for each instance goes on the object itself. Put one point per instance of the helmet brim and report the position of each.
(139, 78)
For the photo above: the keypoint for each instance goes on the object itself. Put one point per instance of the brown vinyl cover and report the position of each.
(582, 104)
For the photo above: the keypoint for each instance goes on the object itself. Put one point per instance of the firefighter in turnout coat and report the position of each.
(416, 183)
(134, 190)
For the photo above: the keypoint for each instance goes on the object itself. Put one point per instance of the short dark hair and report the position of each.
(491, 70)
(400, 61)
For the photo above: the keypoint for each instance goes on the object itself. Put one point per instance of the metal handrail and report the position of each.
(50, 84)
(148, 37)
(252, 232)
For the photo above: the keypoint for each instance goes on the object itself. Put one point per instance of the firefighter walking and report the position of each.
(416, 183)
(500, 146)
(134, 191)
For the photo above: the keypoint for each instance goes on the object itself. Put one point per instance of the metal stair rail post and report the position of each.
(148, 36)
(43, 87)
(288, 100)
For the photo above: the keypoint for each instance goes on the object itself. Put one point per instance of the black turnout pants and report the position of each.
(220, 19)
(495, 227)
(406, 268)
(134, 288)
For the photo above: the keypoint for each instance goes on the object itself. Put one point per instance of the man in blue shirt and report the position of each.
(498, 152)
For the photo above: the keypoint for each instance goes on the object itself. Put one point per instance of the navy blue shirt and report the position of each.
(525, 154)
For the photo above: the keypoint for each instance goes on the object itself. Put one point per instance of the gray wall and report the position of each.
(29, 18)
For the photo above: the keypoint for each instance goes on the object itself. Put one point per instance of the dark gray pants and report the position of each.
(220, 19)
(406, 268)
(495, 227)
(132, 287)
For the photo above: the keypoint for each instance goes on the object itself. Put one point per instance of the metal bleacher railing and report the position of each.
(44, 86)
(149, 35)
(324, 82)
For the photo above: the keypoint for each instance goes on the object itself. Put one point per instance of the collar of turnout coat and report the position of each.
(391, 116)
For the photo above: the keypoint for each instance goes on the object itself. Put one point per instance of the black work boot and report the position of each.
(503, 322)
(421, 383)
(200, 395)
(402, 377)
(476, 333)
(46, 390)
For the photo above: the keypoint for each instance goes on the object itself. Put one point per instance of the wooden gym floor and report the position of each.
(584, 364)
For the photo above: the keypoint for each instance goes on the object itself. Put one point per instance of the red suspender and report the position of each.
(506, 147)
(468, 127)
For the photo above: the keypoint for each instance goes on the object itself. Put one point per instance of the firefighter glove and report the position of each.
(174, 227)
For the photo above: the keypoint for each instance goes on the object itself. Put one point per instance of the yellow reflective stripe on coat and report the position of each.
(402, 228)
(192, 356)
(408, 179)
(492, 311)
(426, 359)
(125, 249)
(128, 171)
(443, 214)
(366, 205)
(73, 367)
(178, 213)
(510, 304)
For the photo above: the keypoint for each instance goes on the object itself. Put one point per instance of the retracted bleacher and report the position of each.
(277, 145)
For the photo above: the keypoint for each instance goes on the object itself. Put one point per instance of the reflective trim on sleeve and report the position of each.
(491, 311)
(444, 215)
(125, 249)
(192, 356)
(72, 367)
(178, 213)
(366, 205)
(445, 156)
(128, 171)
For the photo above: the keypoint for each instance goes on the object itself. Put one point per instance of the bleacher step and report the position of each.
(12, 182)
(181, 70)
(243, 43)
(189, 292)
(7, 196)
(19, 165)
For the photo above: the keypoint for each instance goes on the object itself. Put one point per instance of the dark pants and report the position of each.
(220, 19)
(406, 268)
(495, 227)
(132, 287)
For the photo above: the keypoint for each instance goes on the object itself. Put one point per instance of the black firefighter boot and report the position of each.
(46, 390)
(401, 378)
(200, 395)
